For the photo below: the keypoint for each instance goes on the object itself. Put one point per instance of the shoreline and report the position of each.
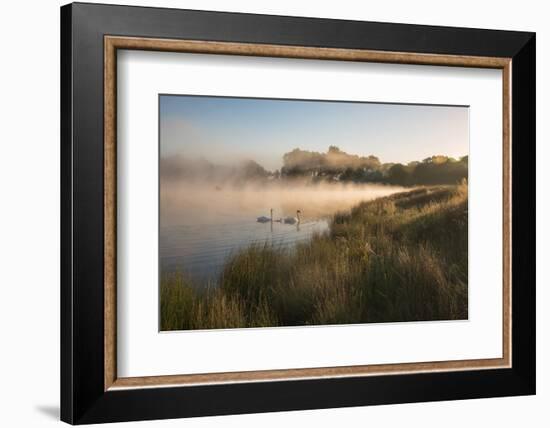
(372, 265)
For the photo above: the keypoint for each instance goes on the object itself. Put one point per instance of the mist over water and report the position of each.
(203, 222)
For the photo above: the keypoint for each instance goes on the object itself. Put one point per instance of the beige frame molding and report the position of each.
(113, 43)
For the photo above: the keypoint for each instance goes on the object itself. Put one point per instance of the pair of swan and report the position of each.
(285, 220)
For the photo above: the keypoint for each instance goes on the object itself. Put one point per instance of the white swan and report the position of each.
(264, 219)
(293, 220)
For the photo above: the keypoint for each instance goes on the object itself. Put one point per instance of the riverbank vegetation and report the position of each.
(399, 258)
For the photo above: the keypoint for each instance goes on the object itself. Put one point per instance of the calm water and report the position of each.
(202, 226)
(202, 250)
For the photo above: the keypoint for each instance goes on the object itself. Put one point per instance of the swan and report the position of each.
(264, 219)
(293, 220)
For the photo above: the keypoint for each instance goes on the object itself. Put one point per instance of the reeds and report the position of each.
(394, 259)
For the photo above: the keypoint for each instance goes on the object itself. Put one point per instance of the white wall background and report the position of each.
(29, 213)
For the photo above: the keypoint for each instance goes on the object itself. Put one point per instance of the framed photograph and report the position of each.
(266, 213)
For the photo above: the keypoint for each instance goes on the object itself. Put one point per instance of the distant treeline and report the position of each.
(337, 165)
(176, 167)
(334, 165)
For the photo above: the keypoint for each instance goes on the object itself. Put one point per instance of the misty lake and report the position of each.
(202, 226)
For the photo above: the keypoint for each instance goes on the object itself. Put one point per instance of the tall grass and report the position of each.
(398, 258)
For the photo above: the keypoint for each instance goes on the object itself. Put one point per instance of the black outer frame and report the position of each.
(83, 399)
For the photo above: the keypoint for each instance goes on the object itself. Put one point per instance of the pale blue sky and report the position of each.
(225, 130)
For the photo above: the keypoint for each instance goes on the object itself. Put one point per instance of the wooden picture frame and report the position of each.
(91, 390)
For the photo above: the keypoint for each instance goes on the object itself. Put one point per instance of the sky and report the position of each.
(227, 130)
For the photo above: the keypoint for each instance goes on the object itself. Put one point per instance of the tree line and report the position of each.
(337, 165)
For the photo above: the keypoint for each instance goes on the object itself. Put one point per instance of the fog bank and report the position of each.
(192, 202)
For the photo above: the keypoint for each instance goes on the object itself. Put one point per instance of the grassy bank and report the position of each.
(398, 258)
